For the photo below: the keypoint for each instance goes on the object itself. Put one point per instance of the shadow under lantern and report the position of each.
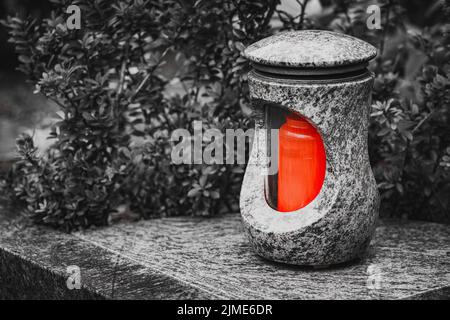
(309, 196)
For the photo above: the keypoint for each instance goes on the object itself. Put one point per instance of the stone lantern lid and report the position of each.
(310, 52)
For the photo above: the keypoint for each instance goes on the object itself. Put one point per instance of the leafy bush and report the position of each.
(115, 91)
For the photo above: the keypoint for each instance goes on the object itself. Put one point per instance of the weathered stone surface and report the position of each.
(310, 49)
(210, 258)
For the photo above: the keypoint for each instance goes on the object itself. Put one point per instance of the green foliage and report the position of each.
(117, 105)
(411, 130)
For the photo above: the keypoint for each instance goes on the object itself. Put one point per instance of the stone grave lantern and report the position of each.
(309, 196)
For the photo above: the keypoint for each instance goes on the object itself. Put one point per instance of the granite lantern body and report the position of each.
(321, 204)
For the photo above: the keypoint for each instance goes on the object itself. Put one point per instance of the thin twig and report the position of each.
(269, 15)
(144, 81)
(302, 15)
(122, 72)
(383, 38)
(421, 122)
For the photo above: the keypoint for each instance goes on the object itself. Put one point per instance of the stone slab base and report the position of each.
(193, 258)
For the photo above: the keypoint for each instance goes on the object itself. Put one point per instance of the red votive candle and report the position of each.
(301, 170)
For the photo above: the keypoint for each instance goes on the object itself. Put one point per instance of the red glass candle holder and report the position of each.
(301, 164)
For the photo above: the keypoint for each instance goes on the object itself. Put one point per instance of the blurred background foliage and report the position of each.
(137, 70)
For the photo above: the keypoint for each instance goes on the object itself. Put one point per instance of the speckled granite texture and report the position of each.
(338, 224)
(310, 49)
(194, 258)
